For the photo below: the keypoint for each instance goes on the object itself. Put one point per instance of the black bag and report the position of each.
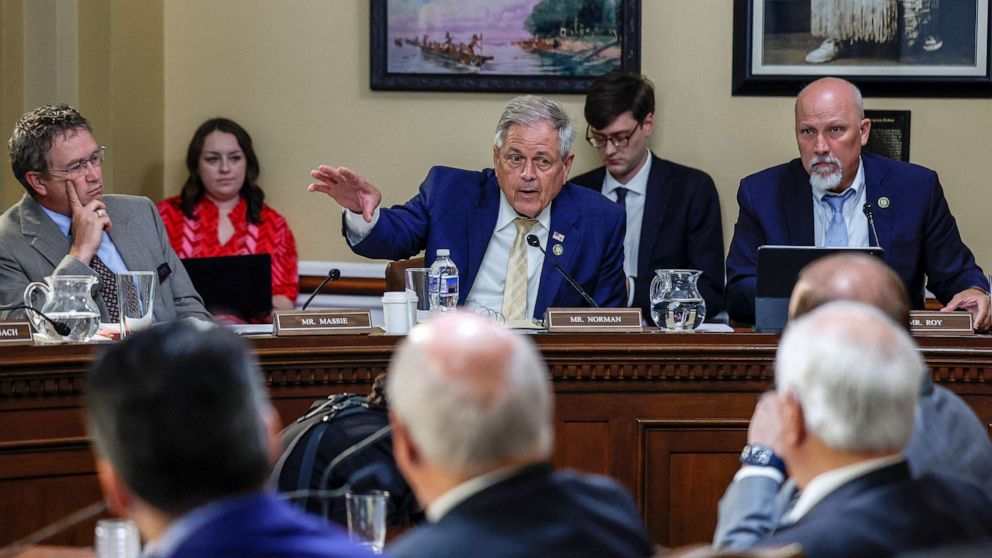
(333, 426)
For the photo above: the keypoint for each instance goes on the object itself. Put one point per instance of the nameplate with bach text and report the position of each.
(929, 322)
(347, 321)
(593, 320)
(15, 333)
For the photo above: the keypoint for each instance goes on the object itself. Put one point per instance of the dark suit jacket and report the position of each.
(916, 230)
(681, 229)
(260, 525)
(457, 209)
(886, 512)
(536, 513)
(34, 248)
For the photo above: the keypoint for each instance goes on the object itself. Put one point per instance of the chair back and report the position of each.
(396, 273)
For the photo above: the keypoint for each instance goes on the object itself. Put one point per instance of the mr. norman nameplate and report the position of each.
(324, 322)
(593, 319)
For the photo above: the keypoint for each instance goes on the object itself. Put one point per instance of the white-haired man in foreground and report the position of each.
(470, 404)
(847, 382)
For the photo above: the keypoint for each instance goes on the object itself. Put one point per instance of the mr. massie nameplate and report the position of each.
(351, 321)
(593, 319)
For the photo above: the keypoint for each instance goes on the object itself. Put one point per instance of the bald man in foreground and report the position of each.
(471, 408)
(947, 439)
(820, 198)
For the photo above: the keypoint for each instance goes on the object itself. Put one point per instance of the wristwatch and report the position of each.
(762, 456)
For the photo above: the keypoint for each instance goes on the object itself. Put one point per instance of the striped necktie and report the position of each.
(515, 289)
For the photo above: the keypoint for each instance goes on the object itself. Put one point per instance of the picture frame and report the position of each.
(486, 46)
(926, 48)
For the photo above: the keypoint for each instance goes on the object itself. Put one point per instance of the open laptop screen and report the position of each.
(238, 285)
(778, 271)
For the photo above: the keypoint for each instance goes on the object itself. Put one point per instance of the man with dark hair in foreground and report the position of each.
(185, 438)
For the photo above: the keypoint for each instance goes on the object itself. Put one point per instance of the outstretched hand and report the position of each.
(351, 191)
(975, 301)
(88, 223)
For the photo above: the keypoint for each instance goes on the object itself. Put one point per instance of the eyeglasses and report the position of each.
(618, 140)
(517, 161)
(93, 161)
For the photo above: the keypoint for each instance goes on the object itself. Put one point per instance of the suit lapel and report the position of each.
(797, 204)
(876, 188)
(480, 222)
(655, 201)
(45, 235)
(128, 245)
(563, 219)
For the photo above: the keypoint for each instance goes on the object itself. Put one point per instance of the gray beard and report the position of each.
(822, 183)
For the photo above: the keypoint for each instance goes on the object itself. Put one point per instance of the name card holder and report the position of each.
(601, 320)
(929, 322)
(16, 333)
(343, 321)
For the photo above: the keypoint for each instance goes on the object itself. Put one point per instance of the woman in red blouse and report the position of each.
(220, 211)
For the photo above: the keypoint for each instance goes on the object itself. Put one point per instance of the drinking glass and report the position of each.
(135, 299)
(416, 283)
(117, 538)
(367, 518)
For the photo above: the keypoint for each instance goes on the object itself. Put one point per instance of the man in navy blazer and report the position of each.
(673, 211)
(847, 379)
(790, 205)
(185, 439)
(473, 215)
(471, 407)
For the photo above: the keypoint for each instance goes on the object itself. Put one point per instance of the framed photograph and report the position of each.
(519, 46)
(889, 48)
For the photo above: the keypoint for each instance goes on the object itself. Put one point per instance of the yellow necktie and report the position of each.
(515, 290)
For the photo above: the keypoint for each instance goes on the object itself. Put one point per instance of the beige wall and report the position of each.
(295, 73)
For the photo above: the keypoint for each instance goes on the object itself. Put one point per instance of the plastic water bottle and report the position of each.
(442, 283)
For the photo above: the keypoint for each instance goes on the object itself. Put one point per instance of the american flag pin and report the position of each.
(558, 236)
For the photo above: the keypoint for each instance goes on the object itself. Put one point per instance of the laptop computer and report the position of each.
(778, 271)
(237, 285)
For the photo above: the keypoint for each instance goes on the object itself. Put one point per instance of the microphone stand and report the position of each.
(866, 208)
(66, 522)
(352, 450)
(533, 241)
(332, 275)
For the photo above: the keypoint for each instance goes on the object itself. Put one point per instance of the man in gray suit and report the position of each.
(67, 226)
(948, 438)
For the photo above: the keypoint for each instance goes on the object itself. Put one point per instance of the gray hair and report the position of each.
(471, 421)
(530, 110)
(34, 134)
(856, 374)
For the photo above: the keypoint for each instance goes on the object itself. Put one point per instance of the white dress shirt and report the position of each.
(487, 290)
(824, 484)
(637, 189)
(107, 251)
(447, 501)
(854, 216)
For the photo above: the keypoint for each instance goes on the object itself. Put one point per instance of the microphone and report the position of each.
(60, 327)
(871, 221)
(346, 454)
(333, 275)
(533, 241)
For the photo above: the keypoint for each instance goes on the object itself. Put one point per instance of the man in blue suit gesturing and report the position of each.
(484, 217)
(819, 200)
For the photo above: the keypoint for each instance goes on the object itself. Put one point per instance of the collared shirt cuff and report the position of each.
(757, 471)
(355, 226)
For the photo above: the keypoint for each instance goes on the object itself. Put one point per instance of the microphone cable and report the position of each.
(60, 327)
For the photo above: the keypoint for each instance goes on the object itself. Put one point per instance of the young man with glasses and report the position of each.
(67, 226)
(673, 211)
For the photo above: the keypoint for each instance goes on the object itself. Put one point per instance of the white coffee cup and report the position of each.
(395, 312)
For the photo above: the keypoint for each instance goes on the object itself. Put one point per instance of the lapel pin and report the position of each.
(883, 202)
(558, 236)
(558, 249)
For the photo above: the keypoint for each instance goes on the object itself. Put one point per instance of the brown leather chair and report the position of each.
(396, 273)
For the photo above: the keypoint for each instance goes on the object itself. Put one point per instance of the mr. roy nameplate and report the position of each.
(929, 322)
(322, 322)
(593, 319)
(15, 333)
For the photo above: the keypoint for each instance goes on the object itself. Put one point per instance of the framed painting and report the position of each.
(520, 46)
(889, 48)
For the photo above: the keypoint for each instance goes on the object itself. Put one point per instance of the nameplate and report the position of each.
(16, 333)
(929, 322)
(323, 322)
(593, 319)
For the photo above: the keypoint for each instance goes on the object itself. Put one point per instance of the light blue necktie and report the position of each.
(837, 229)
